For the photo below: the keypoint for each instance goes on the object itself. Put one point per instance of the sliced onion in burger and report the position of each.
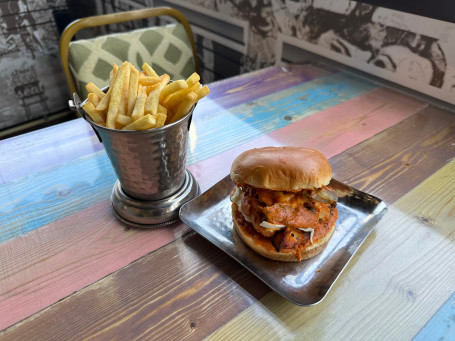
(236, 196)
(325, 195)
(307, 229)
(271, 226)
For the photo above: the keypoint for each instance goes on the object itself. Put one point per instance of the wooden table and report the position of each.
(70, 270)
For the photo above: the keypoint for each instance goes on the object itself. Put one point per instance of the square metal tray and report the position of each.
(303, 283)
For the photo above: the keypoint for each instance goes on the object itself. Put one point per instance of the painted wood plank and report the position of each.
(67, 188)
(56, 260)
(244, 88)
(442, 325)
(220, 131)
(45, 148)
(332, 130)
(98, 170)
(167, 300)
(40, 198)
(193, 296)
(57, 144)
(422, 143)
(392, 287)
(369, 104)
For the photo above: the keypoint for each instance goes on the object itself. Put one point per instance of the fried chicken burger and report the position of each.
(282, 206)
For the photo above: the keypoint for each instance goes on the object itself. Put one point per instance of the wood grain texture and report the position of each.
(150, 299)
(393, 286)
(220, 130)
(63, 190)
(415, 148)
(349, 123)
(55, 192)
(51, 262)
(43, 197)
(46, 148)
(441, 325)
(245, 88)
(331, 131)
(192, 300)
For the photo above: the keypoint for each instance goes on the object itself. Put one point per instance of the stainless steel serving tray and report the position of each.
(303, 283)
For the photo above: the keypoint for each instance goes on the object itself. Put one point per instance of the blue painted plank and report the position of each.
(442, 325)
(40, 198)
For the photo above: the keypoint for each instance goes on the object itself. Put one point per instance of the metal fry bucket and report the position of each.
(151, 169)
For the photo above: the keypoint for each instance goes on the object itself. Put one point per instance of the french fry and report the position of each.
(133, 90)
(173, 87)
(94, 114)
(104, 103)
(160, 120)
(93, 98)
(143, 123)
(149, 71)
(149, 80)
(161, 116)
(112, 75)
(138, 110)
(202, 92)
(123, 109)
(162, 109)
(123, 121)
(193, 79)
(114, 69)
(140, 99)
(184, 107)
(153, 98)
(116, 95)
(91, 87)
(173, 100)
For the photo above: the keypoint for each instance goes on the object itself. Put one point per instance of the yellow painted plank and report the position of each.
(399, 278)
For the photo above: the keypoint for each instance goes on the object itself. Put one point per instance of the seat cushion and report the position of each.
(166, 48)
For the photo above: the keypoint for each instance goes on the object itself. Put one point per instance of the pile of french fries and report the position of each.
(140, 100)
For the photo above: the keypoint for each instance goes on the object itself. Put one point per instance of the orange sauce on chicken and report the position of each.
(295, 210)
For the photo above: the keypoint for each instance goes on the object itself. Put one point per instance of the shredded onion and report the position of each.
(308, 229)
(247, 218)
(271, 226)
(236, 198)
(326, 196)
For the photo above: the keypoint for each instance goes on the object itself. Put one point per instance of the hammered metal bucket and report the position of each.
(150, 164)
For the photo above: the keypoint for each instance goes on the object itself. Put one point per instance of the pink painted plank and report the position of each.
(67, 255)
(58, 259)
(331, 131)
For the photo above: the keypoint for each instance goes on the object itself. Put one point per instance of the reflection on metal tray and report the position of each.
(305, 282)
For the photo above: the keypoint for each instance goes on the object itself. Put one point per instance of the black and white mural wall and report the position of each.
(407, 49)
(33, 85)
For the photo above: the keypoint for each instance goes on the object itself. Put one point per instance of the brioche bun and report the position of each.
(282, 168)
(265, 248)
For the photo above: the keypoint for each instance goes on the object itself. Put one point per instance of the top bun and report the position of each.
(289, 169)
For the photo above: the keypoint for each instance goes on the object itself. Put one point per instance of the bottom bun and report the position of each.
(264, 247)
